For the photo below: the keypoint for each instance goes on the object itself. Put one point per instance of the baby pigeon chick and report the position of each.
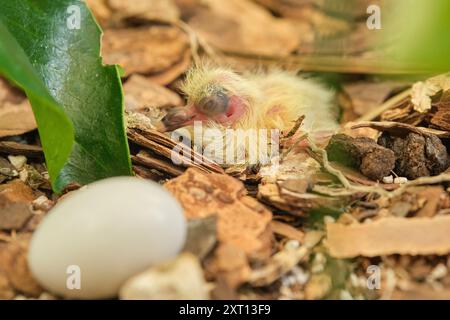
(220, 97)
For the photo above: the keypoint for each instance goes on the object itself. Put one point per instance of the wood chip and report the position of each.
(229, 265)
(144, 50)
(441, 120)
(101, 11)
(152, 162)
(392, 235)
(365, 96)
(16, 115)
(141, 93)
(151, 10)
(13, 262)
(146, 173)
(287, 231)
(17, 191)
(163, 146)
(15, 205)
(13, 215)
(279, 264)
(14, 148)
(241, 220)
(240, 26)
(421, 292)
(401, 128)
(175, 71)
(432, 195)
(6, 290)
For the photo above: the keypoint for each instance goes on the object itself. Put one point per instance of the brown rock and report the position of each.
(377, 163)
(373, 160)
(416, 155)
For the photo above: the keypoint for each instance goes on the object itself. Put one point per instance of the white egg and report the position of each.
(103, 234)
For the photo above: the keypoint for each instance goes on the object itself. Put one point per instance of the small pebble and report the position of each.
(179, 279)
(388, 179)
(18, 161)
(400, 180)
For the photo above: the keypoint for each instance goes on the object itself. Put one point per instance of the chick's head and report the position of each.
(215, 95)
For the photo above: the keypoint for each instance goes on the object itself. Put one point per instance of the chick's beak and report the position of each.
(176, 118)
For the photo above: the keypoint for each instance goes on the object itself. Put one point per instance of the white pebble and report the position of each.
(400, 180)
(388, 179)
(179, 279)
(18, 161)
(104, 234)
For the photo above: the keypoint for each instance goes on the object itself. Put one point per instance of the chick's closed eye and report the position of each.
(214, 104)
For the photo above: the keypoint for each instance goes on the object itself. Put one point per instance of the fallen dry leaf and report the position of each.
(421, 95)
(392, 235)
(422, 92)
(16, 116)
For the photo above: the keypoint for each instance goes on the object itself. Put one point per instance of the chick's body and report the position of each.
(222, 99)
(285, 97)
(271, 99)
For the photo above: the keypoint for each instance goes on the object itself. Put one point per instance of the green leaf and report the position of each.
(77, 101)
